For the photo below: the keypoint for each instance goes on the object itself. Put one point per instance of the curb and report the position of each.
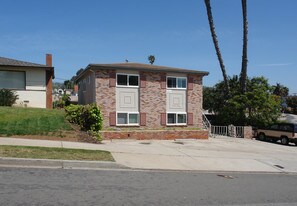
(59, 164)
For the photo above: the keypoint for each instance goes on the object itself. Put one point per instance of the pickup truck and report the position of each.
(285, 132)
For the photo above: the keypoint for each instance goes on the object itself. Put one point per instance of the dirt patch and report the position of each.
(71, 136)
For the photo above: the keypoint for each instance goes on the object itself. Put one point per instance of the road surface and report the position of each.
(28, 186)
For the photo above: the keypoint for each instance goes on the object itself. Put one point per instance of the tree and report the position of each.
(68, 84)
(280, 90)
(79, 71)
(216, 44)
(151, 59)
(243, 73)
(258, 106)
(292, 103)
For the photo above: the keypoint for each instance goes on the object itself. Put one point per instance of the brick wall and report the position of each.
(152, 99)
(248, 132)
(152, 96)
(105, 95)
(156, 134)
(194, 100)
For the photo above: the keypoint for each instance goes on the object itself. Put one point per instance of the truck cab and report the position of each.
(285, 132)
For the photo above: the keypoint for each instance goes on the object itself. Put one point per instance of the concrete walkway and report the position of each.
(215, 154)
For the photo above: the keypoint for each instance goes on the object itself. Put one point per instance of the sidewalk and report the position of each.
(215, 154)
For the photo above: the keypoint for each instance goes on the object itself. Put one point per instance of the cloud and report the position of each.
(274, 65)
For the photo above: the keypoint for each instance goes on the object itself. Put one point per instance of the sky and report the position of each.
(80, 32)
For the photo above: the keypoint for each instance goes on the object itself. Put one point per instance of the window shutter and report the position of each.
(112, 79)
(112, 118)
(190, 83)
(142, 119)
(163, 82)
(142, 80)
(163, 119)
(190, 119)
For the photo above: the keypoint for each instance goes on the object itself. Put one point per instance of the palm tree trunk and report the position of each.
(216, 44)
(243, 73)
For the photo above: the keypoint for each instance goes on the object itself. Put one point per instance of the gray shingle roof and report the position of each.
(12, 62)
(144, 67)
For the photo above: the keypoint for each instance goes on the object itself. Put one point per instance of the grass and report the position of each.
(54, 153)
(31, 121)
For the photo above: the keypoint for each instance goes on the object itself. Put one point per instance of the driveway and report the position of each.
(215, 154)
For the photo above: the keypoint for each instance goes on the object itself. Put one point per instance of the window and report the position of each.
(128, 119)
(176, 118)
(12, 80)
(177, 82)
(127, 80)
(275, 127)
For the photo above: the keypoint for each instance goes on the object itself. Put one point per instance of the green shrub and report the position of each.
(89, 118)
(63, 101)
(73, 113)
(7, 97)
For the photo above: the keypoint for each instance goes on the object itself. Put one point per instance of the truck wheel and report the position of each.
(262, 137)
(274, 140)
(284, 140)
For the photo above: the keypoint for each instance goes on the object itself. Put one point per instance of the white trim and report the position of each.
(128, 124)
(127, 80)
(176, 77)
(176, 113)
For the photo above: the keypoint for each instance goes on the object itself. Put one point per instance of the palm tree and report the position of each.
(243, 73)
(216, 44)
(151, 59)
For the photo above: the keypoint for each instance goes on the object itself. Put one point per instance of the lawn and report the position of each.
(31, 121)
(54, 153)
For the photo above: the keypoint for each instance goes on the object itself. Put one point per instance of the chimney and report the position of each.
(49, 60)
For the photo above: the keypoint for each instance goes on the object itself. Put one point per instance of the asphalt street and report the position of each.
(28, 186)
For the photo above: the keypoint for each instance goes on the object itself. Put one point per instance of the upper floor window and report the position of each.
(12, 80)
(177, 82)
(128, 80)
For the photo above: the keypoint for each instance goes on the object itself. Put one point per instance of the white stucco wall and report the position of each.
(31, 99)
(34, 94)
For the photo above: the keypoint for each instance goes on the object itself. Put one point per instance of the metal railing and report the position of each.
(206, 124)
(230, 131)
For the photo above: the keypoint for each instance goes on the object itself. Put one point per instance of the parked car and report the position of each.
(285, 132)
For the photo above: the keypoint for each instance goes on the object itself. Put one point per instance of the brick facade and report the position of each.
(152, 99)
(248, 132)
(105, 95)
(155, 134)
(194, 100)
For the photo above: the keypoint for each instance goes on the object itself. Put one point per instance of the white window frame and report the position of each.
(127, 80)
(176, 114)
(128, 124)
(176, 77)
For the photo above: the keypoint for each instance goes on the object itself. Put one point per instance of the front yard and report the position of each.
(32, 121)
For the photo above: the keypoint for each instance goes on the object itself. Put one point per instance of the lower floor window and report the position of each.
(176, 118)
(127, 118)
(12, 80)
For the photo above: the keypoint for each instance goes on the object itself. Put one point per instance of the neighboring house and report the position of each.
(32, 82)
(142, 95)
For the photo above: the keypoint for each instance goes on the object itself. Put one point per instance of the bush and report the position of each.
(73, 113)
(63, 101)
(89, 118)
(7, 97)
